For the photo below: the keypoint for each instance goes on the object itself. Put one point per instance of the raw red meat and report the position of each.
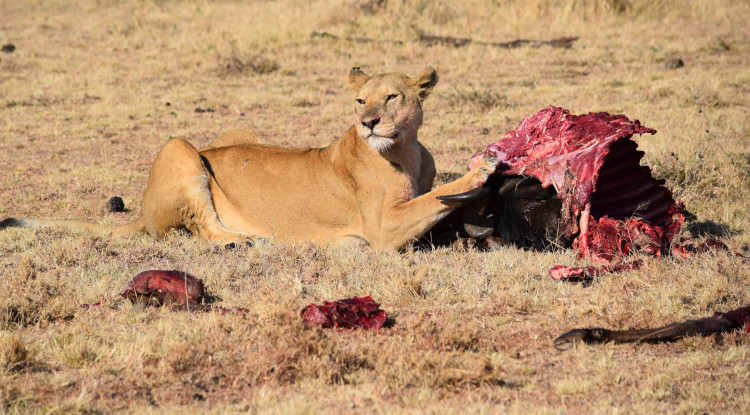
(170, 288)
(348, 313)
(159, 287)
(562, 272)
(611, 205)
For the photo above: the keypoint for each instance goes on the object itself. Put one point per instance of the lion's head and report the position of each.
(388, 107)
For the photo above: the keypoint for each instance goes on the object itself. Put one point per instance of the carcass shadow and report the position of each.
(211, 299)
(710, 229)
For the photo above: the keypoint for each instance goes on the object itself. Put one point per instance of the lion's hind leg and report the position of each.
(178, 195)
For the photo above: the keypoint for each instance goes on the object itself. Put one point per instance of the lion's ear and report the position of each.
(424, 82)
(357, 78)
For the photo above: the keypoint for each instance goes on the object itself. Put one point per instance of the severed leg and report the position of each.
(718, 323)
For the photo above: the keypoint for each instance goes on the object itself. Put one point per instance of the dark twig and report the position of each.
(326, 35)
(456, 42)
(563, 42)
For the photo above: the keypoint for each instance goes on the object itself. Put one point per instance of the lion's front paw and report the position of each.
(241, 241)
(484, 169)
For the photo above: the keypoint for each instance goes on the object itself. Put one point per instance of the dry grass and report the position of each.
(94, 89)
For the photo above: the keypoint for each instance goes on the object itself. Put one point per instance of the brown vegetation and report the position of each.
(92, 90)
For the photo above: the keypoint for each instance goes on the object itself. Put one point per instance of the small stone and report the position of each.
(116, 205)
(674, 63)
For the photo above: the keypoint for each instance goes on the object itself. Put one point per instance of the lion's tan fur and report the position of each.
(371, 187)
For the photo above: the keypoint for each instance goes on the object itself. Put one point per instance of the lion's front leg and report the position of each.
(405, 223)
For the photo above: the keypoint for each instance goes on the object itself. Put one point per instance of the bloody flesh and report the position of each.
(610, 204)
(562, 272)
(171, 288)
(347, 313)
(161, 287)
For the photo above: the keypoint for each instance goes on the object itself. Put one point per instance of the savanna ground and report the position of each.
(94, 89)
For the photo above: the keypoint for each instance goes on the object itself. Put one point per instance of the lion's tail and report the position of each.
(137, 226)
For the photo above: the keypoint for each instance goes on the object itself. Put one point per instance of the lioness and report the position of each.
(369, 187)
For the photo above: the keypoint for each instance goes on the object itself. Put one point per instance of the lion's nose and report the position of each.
(371, 122)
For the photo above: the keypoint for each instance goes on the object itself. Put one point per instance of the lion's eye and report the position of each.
(361, 101)
(390, 97)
